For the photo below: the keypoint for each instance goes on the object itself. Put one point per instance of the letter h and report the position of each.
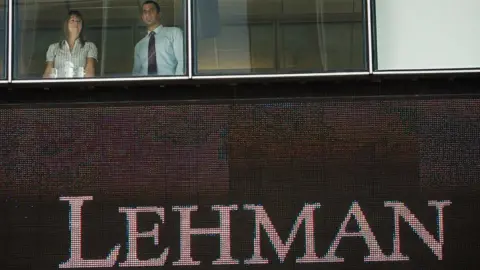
(186, 231)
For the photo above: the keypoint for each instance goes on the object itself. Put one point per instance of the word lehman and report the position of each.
(261, 221)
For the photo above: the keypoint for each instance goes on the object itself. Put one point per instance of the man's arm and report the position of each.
(178, 47)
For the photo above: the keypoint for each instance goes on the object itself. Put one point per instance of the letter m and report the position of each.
(281, 247)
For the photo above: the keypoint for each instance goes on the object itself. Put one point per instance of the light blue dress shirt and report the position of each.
(169, 50)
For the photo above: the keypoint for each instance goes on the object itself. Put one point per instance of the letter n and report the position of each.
(400, 210)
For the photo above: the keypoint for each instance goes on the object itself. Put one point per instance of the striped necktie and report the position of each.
(152, 55)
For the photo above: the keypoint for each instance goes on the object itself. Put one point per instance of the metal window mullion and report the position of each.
(9, 55)
(189, 39)
(369, 36)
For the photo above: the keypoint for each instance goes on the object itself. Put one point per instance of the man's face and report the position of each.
(150, 15)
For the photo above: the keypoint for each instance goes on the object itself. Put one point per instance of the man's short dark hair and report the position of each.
(157, 6)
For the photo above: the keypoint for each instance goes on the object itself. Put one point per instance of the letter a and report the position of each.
(365, 232)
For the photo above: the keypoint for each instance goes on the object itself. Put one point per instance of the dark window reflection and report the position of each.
(3, 39)
(279, 36)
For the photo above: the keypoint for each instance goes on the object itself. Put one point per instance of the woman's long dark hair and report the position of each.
(81, 37)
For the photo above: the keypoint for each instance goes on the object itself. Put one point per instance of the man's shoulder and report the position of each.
(172, 29)
(142, 40)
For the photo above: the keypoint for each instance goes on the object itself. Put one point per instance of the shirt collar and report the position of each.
(65, 42)
(156, 30)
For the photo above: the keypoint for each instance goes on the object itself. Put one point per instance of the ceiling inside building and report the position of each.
(127, 10)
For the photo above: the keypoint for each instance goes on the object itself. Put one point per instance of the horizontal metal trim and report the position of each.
(100, 80)
(273, 76)
(426, 72)
(246, 76)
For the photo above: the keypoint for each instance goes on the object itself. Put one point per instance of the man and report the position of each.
(161, 51)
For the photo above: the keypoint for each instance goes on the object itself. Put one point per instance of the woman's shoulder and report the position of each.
(90, 44)
(54, 45)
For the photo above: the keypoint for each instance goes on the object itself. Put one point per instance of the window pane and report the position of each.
(427, 34)
(114, 40)
(279, 36)
(3, 39)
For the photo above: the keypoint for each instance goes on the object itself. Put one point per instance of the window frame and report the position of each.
(371, 71)
(190, 61)
(6, 55)
(368, 68)
(188, 57)
(408, 72)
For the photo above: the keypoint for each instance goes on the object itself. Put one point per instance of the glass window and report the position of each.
(427, 34)
(99, 38)
(3, 39)
(279, 36)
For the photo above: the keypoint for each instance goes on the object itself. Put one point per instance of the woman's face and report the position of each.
(74, 25)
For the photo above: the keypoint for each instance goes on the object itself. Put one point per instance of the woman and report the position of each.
(73, 56)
